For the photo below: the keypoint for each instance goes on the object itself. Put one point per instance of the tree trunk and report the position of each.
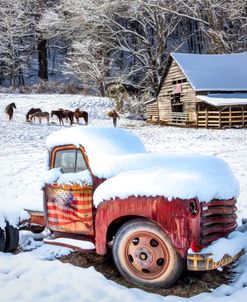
(42, 58)
(13, 83)
(102, 89)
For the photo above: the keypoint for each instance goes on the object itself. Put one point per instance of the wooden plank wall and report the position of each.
(229, 117)
(152, 112)
(188, 96)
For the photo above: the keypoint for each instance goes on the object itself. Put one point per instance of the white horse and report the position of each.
(40, 116)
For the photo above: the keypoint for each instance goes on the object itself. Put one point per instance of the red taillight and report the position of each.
(195, 246)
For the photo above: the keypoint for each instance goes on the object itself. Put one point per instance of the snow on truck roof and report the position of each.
(102, 144)
(214, 72)
(105, 140)
(119, 156)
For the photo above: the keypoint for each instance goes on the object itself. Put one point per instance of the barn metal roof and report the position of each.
(224, 99)
(221, 72)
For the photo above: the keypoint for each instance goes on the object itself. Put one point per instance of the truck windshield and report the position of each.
(70, 161)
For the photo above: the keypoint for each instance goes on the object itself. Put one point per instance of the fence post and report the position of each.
(219, 118)
(230, 116)
(243, 116)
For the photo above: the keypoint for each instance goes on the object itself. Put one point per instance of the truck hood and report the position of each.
(172, 176)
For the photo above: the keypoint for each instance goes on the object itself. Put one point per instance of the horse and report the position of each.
(69, 115)
(79, 114)
(61, 114)
(114, 116)
(40, 116)
(9, 110)
(32, 111)
(61, 109)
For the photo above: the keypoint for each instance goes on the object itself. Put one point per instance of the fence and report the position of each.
(221, 119)
(178, 118)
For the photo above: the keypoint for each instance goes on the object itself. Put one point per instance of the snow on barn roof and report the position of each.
(119, 156)
(211, 72)
(224, 99)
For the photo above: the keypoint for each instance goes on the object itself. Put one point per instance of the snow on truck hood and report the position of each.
(172, 176)
(119, 156)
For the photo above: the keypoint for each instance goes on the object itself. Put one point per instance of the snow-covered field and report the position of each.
(30, 276)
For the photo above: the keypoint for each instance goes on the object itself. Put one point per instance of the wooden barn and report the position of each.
(202, 90)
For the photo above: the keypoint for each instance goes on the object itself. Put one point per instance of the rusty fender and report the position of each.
(174, 217)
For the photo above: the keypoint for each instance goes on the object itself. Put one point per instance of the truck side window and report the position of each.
(70, 161)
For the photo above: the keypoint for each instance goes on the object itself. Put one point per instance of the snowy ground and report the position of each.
(30, 276)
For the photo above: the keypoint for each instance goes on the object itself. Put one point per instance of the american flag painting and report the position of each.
(69, 209)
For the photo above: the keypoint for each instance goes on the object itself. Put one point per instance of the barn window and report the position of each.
(177, 105)
(174, 82)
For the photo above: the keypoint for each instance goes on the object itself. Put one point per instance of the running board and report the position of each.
(78, 245)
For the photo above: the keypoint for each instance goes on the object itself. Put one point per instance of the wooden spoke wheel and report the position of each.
(143, 253)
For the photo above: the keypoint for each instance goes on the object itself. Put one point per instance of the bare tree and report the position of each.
(130, 41)
(88, 56)
(137, 36)
(14, 31)
(220, 24)
(35, 11)
(88, 62)
(143, 35)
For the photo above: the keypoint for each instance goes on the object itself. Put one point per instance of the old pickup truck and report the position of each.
(104, 192)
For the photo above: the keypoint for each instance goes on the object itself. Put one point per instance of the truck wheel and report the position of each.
(2, 240)
(37, 229)
(12, 238)
(144, 254)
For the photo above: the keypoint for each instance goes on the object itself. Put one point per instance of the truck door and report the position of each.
(69, 200)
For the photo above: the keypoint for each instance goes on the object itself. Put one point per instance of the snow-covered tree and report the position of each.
(142, 35)
(121, 41)
(14, 32)
(88, 62)
(220, 25)
(35, 10)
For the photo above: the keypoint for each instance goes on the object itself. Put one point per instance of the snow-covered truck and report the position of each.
(103, 191)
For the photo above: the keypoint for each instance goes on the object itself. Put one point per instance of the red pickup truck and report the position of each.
(103, 191)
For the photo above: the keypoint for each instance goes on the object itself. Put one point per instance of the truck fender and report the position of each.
(173, 219)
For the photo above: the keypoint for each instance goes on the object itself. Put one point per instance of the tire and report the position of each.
(143, 254)
(37, 229)
(2, 240)
(12, 238)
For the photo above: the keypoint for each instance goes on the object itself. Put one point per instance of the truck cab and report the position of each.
(103, 191)
(69, 206)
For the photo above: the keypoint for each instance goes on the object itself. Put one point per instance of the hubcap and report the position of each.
(143, 256)
(146, 255)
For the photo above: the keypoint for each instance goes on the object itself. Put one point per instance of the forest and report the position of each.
(92, 45)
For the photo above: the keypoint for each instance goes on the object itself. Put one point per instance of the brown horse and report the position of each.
(114, 116)
(10, 110)
(32, 111)
(82, 114)
(61, 114)
(69, 115)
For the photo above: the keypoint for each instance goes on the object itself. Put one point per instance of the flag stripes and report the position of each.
(69, 209)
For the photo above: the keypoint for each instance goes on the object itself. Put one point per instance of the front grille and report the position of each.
(218, 219)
